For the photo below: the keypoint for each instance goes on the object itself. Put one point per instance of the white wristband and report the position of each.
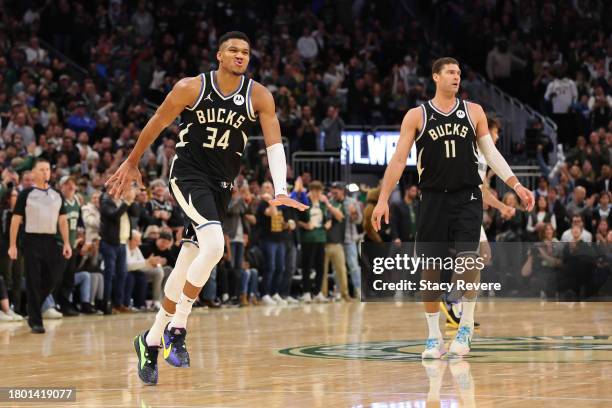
(278, 167)
(516, 185)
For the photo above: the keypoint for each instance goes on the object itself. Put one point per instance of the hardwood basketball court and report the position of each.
(335, 355)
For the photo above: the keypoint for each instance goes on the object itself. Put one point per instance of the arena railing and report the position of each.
(324, 166)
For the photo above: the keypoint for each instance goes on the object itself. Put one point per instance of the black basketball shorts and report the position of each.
(449, 220)
(203, 201)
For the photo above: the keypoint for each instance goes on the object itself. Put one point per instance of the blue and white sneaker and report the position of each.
(434, 348)
(461, 345)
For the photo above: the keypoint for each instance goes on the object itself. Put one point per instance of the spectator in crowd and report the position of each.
(580, 205)
(307, 132)
(249, 292)
(331, 130)
(556, 208)
(602, 211)
(510, 230)
(500, 64)
(577, 225)
(403, 216)
(162, 247)
(142, 270)
(562, 93)
(601, 232)
(12, 270)
(90, 213)
(313, 223)
(90, 261)
(354, 217)
(6, 313)
(19, 125)
(160, 210)
(542, 264)
(540, 216)
(72, 209)
(115, 230)
(80, 120)
(273, 230)
(334, 249)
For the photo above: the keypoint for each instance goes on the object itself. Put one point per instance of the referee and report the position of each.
(40, 208)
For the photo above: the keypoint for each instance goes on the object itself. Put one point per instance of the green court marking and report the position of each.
(532, 349)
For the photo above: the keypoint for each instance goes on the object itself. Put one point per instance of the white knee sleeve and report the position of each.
(176, 280)
(211, 243)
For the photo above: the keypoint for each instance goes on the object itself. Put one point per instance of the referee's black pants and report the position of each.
(65, 286)
(43, 268)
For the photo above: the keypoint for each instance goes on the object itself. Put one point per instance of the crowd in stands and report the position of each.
(555, 56)
(327, 68)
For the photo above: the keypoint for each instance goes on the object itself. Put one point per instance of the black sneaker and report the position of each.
(147, 359)
(87, 308)
(69, 310)
(175, 349)
(452, 317)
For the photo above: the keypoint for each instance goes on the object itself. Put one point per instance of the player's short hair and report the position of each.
(441, 62)
(234, 34)
(493, 123)
(40, 160)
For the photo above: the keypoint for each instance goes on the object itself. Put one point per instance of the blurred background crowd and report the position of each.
(78, 81)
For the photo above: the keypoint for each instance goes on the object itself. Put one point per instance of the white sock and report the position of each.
(183, 308)
(467, 314)
(162, 318)
(433, 322)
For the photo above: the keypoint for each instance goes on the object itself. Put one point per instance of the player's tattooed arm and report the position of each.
(184, 93)
(413, 121)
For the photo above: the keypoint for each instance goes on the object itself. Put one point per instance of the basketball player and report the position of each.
(452, 307)
(217, 109)
(447, 132)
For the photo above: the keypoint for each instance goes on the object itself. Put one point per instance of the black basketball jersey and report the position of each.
(447, 154)
(213, 133)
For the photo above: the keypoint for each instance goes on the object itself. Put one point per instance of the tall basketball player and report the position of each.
(447, 132)
(452, 308)
(217, 109)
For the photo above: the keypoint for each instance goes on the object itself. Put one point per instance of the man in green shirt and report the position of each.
(72, 207)
(313, 224)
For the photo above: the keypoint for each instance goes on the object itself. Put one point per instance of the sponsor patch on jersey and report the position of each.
(238, 99)
(460, 114)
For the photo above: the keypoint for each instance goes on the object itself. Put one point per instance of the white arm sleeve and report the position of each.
(494, 158)
(278, 167)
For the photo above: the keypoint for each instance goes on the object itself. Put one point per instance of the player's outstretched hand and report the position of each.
(282, 199)
(526, 197)
(122, 180)
(382, 208)
(507, 212)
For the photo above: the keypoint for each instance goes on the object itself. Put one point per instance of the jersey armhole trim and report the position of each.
(424, 123)
(249, 103)
(202, 86)
(208, 223)
(467, 115)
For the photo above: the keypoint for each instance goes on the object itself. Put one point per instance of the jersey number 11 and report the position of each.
(450, 148)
